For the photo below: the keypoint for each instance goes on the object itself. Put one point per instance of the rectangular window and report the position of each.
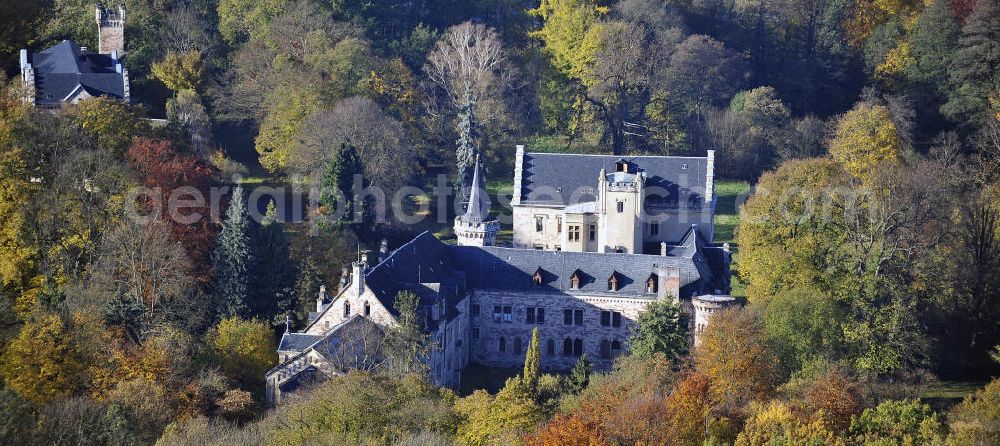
(621, 207)
(574, 233)
(616, 319)
(535, 315)
(496, 313)
(474, 309)
(539, 316)
(559, 225)
(605, 318)
(567, 317)
(508, 314)
(539, 223)
(475, 333)
(578, 317)
(593, 232)
(529, 315)
(654, 228)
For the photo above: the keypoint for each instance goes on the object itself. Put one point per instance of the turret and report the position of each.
(476, 227)
(110, 29)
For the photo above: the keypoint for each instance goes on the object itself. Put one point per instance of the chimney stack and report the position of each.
(321, 298)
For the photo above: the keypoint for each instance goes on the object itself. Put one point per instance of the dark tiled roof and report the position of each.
(422, 260)
(565, 179)
(296, 342)
(63, 68)
(478, 208)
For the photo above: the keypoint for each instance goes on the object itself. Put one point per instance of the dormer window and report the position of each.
(574, 281)
(537, 278)
(368, 309)
(613, 282)
(621, 165)
(347, 309)
(651, 283)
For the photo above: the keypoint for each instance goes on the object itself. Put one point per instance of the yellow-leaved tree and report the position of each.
(571, 31)
(866, 139)
(244, 350)
(180, 71)
(44, 361)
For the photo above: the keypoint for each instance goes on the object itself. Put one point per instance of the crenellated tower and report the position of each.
(111, 29)
(476, 227)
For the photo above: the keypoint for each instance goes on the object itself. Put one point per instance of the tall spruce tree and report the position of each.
(579, 377)
(975, 67)
(532, 364)
(233, 260)
(307, 283)
(468, 133)
(273, 296)
(339, 177)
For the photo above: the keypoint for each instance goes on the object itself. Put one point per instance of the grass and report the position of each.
(951, 390)
(729, 197)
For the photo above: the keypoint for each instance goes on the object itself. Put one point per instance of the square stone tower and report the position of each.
(111, 29)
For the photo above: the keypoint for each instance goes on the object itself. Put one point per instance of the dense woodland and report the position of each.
(874, 124)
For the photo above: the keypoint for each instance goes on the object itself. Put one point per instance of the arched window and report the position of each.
(503, 344)
(347, 309)
(368, 309)
(517, 345)
(578, 347)
(605, 349)
(551, 347)
(613, 282)
(567, 347)
(651, 283)
(616, 348)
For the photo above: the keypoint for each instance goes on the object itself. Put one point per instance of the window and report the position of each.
(539, 247)
(616, 348)
(651, 283)
(368, 309)
(537, 278)
(503, 344)
(517, 346)
(654, 228)
(550, 347)
(347, 309)
(605, 318)
(593, 232)
(621, 207)
(611, 319)
(496, 313)
(574, 281)
(578, 347)
(539, 223)
(616, 319)
(567, 347)
(620, 249)
(474, 309)
(508, 314)
(567, 317)
(577, 317)
(613, 282)
(535, 316)
(475, 333)
(574, 233)
(559, 225)
(605, 349)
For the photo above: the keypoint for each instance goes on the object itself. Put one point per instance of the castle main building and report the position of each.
(582, 269)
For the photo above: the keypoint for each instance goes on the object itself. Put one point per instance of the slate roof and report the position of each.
(296, 342)
(62, 69)
(423, 260)
(556, 179)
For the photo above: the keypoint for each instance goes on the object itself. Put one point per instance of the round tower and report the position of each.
(476, 227)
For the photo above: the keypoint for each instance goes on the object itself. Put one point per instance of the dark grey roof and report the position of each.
(564, 179)
(478, 208)
(296, 342)
(63, 68)
(423, 260)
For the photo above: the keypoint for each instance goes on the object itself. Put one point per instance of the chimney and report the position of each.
(114, 57)
(345, 278)
(358, 278)
(518, 173)
(709, 176)
(663, 248)
(24, 59)
(670, 283)
(321, 298)
(383, 250)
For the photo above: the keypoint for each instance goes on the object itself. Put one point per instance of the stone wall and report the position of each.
(485, 348)
(525, 234)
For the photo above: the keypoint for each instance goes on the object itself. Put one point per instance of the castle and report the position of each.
(68, 73)
(585, 262)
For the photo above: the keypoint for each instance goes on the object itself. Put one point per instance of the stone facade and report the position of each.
(111, 30)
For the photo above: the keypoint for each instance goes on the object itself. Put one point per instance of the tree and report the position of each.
(44, 361)
(240, 19)
(702, 72)
(571, 32)
(970, 423)
(187, 111)
(737, 357)
(973, 67)
(244, 350)
(865, 139)
(233, 259)
(532, 363)
(489, 420)
(17, 422)
(579, 377)
(659, 329)
(468, 133)
(112, 124)
(897, 422)
(805, 325)
(273, 295)
(180, 72)
(337, 194)
(408, 344)
(776, 424)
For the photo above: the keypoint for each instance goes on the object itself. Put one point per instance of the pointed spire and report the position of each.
(478, 209)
